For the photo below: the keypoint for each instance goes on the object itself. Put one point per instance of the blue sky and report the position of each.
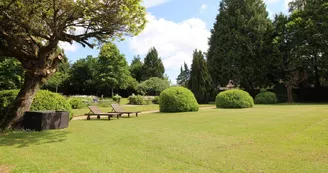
(175, 28)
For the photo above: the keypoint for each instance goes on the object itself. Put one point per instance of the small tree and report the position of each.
(184, 76)
(136, 68)
(31, 30)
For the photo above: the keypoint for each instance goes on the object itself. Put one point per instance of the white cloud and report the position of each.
(153, 3)
(271, 1)
(203, 7)
(68, 47)
(174, 42)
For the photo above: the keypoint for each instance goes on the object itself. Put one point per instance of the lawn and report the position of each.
(282, 138)
(126, 107)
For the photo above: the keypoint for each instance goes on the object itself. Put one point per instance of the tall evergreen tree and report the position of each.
(200, 82)
(237, 46)
(184, 76)
(153, 65)
(136, 68)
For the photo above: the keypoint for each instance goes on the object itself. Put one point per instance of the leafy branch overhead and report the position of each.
(36, 27)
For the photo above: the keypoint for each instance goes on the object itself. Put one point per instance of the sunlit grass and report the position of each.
(281, 138)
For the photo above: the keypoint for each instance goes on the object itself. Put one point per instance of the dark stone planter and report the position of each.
(45, 120)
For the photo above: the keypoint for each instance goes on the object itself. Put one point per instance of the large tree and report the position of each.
(309, 25)
(238, 44)
(200, 82)
(153, 65)
(136, 68)
(82, 77)
(112, 69)
(31, 30)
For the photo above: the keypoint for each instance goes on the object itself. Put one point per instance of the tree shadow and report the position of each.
(21, 139)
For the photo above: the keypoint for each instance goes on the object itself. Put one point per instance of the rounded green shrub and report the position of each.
(156, 100)
(266, 97)
(137, 100)
(44, 100)
(76, 103)
(177, 99)
(234, 98)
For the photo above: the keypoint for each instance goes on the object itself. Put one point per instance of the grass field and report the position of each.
(142, 108)
(282, 138)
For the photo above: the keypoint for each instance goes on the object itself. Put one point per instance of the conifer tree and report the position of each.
(153, 65)
(200, 82)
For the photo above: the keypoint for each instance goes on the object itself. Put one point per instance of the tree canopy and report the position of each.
(237, 46)
(30, 31)
(153, 65)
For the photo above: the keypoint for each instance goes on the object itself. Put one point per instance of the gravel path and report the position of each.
(145, 112)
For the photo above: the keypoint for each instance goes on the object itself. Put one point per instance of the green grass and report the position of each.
(142, 108)
(281, 138)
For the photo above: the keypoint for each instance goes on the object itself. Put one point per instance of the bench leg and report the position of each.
(98, 117)
(118, 116)
(109, 117)
(129, 115)
(88, 118)
(136, 114)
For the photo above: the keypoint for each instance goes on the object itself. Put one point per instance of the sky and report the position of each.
(175, 28)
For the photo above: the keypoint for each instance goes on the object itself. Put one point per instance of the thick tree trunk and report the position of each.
(290, 94)
(22, 102)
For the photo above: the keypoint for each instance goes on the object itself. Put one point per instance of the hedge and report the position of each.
(177, 99)
(234, 98)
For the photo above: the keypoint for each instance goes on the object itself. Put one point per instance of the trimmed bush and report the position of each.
(265, 97)
(234, 98)
(136, 100)
(117, 98)
(177, 99)
(76, 103)
(156, 100)
(44, 100)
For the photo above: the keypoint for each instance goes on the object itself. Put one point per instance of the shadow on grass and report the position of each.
(21, 139)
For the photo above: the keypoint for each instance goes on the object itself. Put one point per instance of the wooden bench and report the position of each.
(118, 109)
(95, 111)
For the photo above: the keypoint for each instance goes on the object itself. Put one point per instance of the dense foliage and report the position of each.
(156, 100)
(177, 99)
(137, 100)
(44, 100)
(11, 73)
(153, 86)
(76, 103)
(153, 65)
(136, 68)
(239, 44)
(184, 76)
(30, 31)
(266, 97)
(234, 98)
(200, 82)
(112, 69)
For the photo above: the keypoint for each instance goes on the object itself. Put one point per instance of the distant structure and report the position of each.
(229, 86)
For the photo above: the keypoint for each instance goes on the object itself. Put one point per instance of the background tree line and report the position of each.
(105, 75)
(286, 54)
